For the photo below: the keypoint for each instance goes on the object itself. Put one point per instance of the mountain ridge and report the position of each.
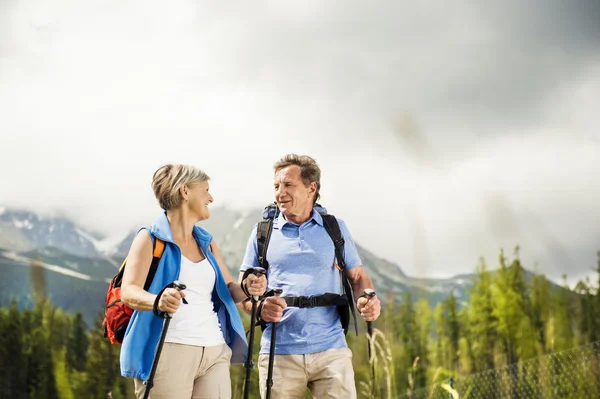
(72, 262)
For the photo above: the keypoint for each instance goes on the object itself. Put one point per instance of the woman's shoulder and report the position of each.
(202, 234)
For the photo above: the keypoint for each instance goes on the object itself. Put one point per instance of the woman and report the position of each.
(206, 332)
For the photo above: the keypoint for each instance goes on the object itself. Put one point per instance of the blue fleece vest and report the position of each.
(143, 331)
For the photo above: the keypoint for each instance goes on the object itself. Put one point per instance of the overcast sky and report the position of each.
(445, 131)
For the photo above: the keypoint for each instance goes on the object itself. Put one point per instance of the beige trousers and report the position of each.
(327, 374)
(190, 372)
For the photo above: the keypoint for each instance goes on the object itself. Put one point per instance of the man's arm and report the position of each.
(369, 308)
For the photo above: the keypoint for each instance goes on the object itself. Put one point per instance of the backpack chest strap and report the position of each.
(327, 299)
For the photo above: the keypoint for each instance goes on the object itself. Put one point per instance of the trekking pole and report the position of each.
(179, 286)
(277, 292)
(257, 271)
(369, 293)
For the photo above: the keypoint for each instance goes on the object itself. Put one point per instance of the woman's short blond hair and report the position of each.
(168, 180)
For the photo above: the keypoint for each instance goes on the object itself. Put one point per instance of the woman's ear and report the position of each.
(183, 191)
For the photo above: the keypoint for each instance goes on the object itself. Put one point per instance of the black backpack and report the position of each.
(345, 306)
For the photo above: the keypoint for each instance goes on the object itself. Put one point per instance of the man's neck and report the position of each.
(299, 219)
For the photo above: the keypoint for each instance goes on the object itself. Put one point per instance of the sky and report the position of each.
(445, 132)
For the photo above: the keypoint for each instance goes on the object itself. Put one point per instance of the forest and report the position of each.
(516, 329)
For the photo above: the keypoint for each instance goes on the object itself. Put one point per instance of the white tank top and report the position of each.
(196, 322)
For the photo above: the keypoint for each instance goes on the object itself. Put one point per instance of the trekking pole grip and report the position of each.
(179, 286)
(258, 271)
(369, 293)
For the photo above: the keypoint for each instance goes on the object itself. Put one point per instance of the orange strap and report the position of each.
(159, 248)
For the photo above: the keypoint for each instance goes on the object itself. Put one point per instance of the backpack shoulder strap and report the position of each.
(333, 229)
(263, 235)
(157, 251)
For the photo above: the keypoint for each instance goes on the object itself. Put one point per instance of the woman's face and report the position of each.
(199, 198)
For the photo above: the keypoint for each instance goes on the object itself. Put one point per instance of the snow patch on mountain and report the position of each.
(22, 260)
(109, 245)
(23, 224)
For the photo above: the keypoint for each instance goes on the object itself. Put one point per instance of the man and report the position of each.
(310, 350)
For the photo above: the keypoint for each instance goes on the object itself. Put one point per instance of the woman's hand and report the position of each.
(170, 300)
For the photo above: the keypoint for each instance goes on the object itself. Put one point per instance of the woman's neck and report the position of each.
(182, 224)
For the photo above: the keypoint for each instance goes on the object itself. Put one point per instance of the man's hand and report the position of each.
(369, 308)
(256, 285)
(272, 309)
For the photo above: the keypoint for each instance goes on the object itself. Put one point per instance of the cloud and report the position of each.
(445, 131)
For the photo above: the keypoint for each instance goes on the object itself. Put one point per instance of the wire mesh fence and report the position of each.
(570, 374)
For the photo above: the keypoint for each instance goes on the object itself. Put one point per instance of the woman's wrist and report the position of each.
(245, 288)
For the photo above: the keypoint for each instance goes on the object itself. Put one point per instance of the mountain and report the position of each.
(54, 257)
(23, 230)
(72, 283)
(232, 229)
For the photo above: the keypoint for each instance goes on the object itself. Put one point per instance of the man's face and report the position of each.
(293, 197)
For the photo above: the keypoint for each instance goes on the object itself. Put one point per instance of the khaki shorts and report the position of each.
(185, 371)
(327, 374)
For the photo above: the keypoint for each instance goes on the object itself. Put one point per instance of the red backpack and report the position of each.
(116, 313)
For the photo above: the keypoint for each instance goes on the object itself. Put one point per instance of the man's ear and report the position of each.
(312, 188)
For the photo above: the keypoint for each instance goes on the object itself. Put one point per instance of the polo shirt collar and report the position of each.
(316, 216)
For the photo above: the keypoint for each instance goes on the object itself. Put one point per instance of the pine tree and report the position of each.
(423, 332)
(509, 308)
(541, 309)
(483, 323)
(41, 383)
(408, 336)
(584, 314)
(77, 344)
(440, 344)
(102, 366)
(595, 307)
(452, 329)
(563, 323)
(13, 365)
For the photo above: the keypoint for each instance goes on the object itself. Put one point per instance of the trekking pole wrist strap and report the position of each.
(157, 312)
(259, 321)
(243, 283)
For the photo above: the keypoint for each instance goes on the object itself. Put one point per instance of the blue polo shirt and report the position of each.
(301, 262)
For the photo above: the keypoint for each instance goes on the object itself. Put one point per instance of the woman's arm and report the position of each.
(256, 285)
(134, 278)
(136, 271)
(235, 289)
